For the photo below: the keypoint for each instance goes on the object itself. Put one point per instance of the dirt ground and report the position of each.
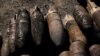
(8, 8)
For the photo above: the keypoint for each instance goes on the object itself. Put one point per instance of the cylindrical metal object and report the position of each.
(94, 11)
(96, 18)
(73, 29)
(12, 36)
(8, 45)
(82, 17)
(23, 27)
(64, 53)
(55, 26)
(95, 50)
(37, 25)
(77, 48)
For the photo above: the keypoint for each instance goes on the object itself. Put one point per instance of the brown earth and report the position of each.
(8, 8)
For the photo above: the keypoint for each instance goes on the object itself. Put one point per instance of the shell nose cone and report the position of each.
(23, 12)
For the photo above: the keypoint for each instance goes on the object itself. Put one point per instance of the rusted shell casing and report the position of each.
(23, 27)
(82, 17)
(73, 29)
(55, 26)
(37, 26)
(77, 48)
(12, 35)
(95, 50)
(96, 18)
(8, 45)
(64, 53)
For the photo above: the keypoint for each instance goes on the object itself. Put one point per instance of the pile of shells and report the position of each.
(31, 33)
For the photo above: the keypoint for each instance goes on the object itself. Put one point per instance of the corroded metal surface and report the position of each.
(77, 48)
(55, 26)
(73, 29)
(82, 17)
(39, 27)
(95, 50)
(22, 27)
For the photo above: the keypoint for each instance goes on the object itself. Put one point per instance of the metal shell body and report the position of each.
(95, 50)
(12, 36)
(37, 26)
(73, 29)
(77, 48)
(82, 17)
(55, 26)
(96, 18)
(23, 27)
(9, 37)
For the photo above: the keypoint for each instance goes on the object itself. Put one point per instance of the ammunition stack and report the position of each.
(30, 33)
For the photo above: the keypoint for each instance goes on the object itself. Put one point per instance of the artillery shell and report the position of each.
(96, 18)
(12, 35)
(37, 25)
(77, 48)
(94, 11)
(82, 18)
(23, 27)
(73, 29)
(55, 26)
(8, 45)
(5, 50)
(95, 50)
(64, 53)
